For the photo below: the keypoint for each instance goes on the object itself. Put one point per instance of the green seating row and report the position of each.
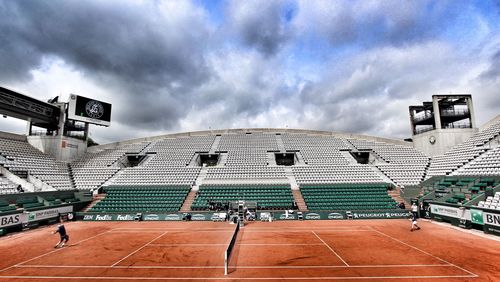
(347, 197)
(266, 196)
(142, 199)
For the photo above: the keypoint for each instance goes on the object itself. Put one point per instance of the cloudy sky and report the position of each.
(174, 66)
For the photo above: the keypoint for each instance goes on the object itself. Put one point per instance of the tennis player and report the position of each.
(414, 225)
(62, 232)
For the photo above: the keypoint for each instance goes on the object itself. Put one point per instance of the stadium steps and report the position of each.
(215, 145)
(350, 145)
(291, 178)
(382, 175)
(95, 200)
(281, 145)
(347, 155)
(146, 149)
(71, 177)
(299, 200)
(186, 206)
(396, 196)
(201, 176)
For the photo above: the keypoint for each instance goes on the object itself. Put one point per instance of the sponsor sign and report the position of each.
(88, 217)
(173, 217)
(48, 213)
(103, 217)
(312, 216)
(460, 213)
(285, 216)
(125, 217)
(366, 215)
(88, 110)
(151, 217)
(198, 217)
(335, 215)
(491, 219)
(12, 219)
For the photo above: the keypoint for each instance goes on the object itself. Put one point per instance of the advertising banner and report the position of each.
(387, 214)
(454, 212)
(48, 213)
(12, 219)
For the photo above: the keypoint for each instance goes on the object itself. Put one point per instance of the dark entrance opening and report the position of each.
(287, 159)
(361, 157)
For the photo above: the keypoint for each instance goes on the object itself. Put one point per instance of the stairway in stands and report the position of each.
(186, 206)
(71, 176)
(396, 195)
(299, 200)
(382, 175)
(281, 145)
(215, 145)
(95, 200)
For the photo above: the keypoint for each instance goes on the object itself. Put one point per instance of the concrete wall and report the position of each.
(61, 147)
(445, 140)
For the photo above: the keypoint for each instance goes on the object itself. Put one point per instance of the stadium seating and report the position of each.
(21, 158)
(142, 199)
(268, 197)
(464, 153)
(404, 165)
(459, 189)
(347, 197)
(7, 186)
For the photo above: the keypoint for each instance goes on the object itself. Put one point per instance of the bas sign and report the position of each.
(12, 219)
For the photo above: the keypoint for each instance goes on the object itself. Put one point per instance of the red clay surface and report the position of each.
(368, 250)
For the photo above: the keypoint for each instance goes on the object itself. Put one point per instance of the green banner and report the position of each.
(477, 216)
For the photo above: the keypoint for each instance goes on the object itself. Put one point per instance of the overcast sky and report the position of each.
(175, 66)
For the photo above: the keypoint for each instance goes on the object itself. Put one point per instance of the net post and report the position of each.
(225, 263)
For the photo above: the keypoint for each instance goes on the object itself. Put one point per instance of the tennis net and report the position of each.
(229, 249)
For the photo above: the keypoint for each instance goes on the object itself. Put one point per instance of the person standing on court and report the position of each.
(62, 232)
(414, 209)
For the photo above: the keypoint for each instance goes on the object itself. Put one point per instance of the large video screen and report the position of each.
(89, 110)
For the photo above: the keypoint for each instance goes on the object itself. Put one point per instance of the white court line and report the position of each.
(139, 249)
(56, 250)
(100, 278)
(171, 231)
(330, 248)
(422, 251)
(249, 244)
(239, 267)
(183, 245)
(305, 231)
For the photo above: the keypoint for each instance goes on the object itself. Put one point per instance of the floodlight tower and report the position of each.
(439, 125)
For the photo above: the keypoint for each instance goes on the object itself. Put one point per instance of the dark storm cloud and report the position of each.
(137, 51)
(261, 24)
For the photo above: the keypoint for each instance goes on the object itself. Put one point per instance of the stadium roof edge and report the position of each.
(254, 130)
(13, 136)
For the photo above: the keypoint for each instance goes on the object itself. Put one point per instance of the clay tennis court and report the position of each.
(300, 251)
